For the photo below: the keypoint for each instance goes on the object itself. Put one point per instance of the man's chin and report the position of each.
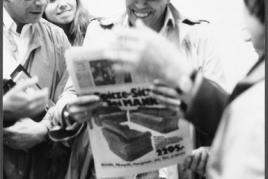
(145, 21)
(34, 20)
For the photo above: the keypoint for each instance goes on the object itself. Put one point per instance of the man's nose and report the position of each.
(41, 2)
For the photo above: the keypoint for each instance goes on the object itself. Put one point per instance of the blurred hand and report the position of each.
(80, 109)
(167, 96)
(24, 134)
(22, 101)
(197, 161)
(149, 55)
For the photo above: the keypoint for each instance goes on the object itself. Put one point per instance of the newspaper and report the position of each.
(133, 134)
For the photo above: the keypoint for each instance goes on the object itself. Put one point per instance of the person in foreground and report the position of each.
(192, 37)
(38, 47)
(235, 121)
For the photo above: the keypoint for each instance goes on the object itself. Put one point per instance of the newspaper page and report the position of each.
(133, 134)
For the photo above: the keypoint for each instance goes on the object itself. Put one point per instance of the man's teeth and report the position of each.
(141, 15)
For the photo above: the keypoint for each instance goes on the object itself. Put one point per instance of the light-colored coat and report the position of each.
(44, 59)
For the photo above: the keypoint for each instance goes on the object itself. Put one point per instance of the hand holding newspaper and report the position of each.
(134, 133)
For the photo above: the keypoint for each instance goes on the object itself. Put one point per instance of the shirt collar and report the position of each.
(11, 25)
(169, 21)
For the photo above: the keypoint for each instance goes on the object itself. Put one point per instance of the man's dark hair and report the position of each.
(256, 8)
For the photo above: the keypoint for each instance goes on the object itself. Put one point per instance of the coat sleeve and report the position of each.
(61, 44)
(207, 106)
(239, 147)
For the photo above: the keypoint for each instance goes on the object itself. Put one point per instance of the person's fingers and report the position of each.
(82, 114)
(38, 101)
(88, 107)
(165, 91)
(36, 107)
(39, 95)
(187, 162)
(73, 126)
(30, 91)
(158, 82)
(196, 161)
(84, 100)
(170, 102)
(203, 162)
(26, 84)
(81, 117)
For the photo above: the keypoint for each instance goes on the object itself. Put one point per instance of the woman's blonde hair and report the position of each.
(79, 25)
(77, 28)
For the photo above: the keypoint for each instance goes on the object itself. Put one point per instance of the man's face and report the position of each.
(25, 11)
(149, 11)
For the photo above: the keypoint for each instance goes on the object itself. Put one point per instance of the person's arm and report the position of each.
(24, 134)
(144, 55)
(206, 106)
(202, 104)
(239, 146)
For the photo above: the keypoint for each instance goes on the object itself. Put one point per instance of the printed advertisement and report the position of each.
(133, 134)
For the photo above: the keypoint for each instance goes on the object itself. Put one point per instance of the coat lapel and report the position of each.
(255, 75)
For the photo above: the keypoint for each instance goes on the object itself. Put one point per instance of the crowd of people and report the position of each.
(45, 121)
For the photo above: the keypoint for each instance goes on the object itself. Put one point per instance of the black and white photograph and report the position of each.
(185, 81)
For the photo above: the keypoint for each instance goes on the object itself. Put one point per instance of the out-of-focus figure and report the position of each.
(191, 37)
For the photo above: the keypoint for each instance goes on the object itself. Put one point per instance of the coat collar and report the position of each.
(171, 17)
(35, 42)
(10, 26)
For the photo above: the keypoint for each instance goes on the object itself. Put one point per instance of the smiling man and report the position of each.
(38, 46)
(192, 38)
(151, 12)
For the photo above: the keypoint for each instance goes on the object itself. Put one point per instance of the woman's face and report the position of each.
(255, 28)
(61, 11)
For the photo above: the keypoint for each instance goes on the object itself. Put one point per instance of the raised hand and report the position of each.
(22, 101)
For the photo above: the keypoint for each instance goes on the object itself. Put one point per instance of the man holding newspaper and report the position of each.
(192, 39)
